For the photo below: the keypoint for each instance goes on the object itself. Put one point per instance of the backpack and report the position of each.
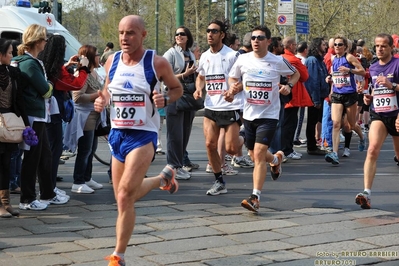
(69, 108)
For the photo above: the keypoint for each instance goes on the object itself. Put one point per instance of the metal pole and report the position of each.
(226, 9)
(262, 12)
(156, 25)
(179, 13)
(209, 11)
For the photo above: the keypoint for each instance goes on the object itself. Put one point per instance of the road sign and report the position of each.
(302, 18)
(302, 30)
(285, 19)
(302, 24)
(285, 7)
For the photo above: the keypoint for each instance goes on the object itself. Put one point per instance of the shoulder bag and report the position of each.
(11, 128)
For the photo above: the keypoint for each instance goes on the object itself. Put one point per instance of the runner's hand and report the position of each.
(99, 102)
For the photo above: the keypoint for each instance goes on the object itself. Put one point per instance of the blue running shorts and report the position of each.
(123, 141)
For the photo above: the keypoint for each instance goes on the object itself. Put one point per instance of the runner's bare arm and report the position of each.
(199, 85)
(104, 95)
(359, 70)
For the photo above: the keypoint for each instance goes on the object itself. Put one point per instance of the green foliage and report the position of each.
(96, 22)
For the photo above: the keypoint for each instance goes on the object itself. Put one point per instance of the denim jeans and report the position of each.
(87, 146)
(327, 124)
(15, 169)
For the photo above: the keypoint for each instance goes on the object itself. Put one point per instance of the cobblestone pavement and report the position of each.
(305, 219)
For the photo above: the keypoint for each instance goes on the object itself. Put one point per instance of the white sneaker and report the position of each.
(67, 153)
(228, 170)
(34, 206)
(81, 188)
(347, 152)
(93, 184)
(182, 174)
(294, 155)
(58, 200)
(341, 138)
(61, 192)
(209, 168)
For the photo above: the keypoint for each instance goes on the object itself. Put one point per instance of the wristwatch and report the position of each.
(394, 85)
(291, 85)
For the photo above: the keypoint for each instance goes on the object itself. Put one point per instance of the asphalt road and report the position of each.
(309, 182)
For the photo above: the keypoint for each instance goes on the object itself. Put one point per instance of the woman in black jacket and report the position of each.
(11, 100)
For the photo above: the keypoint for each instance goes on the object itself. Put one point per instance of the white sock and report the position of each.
(275, 160)
(368, 191)
(257, 193)
(120, 255)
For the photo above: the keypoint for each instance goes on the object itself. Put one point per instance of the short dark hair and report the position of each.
(110, 45)
(231, 39)
(265, 29)
(274, 43)
(386, 36)
(302, 46)
(224, 27)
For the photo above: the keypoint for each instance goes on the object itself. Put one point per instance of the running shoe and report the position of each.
(396, 160)
(228, 157)
(362, 144)
(347, 152)
(243, 162)
(168, 175)
(332, 158)
(182, 174)
(275, 169)
(341, 138)
(115, 260)
(228, 170)
(34, 206)
(294, 155)
(363, 200)
(217, 188)
(252, 203)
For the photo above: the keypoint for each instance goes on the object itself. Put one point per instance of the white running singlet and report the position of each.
(131, 106)
(215, 68)
(260, 78)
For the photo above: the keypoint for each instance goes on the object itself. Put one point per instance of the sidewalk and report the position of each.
(293, 227)
(168, 233)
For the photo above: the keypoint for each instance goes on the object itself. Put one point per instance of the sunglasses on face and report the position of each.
(214, 31)
(180, 34)
(339, 44)
(259, 37)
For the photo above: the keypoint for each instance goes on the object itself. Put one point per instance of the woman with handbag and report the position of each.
(80, 131)
(64, 82)
(39, 103)
(180, 114)
(11, 101)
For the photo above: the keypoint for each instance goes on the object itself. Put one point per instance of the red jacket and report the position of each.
(300, 96)
(68, 82)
